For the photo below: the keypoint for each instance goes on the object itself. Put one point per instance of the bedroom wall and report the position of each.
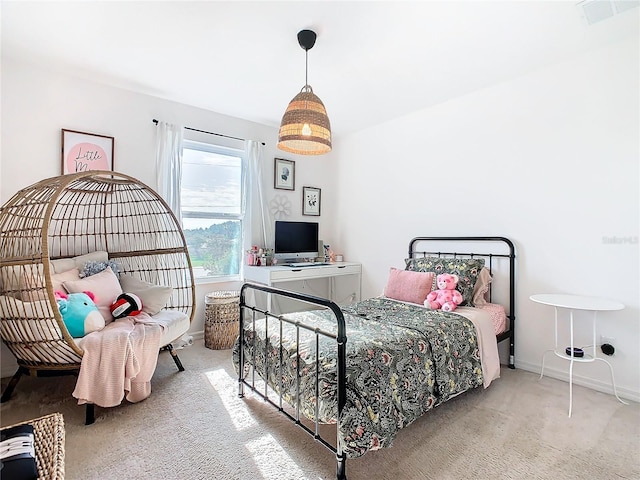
(37, 104)
(549, 160)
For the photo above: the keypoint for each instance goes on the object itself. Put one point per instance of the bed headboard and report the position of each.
(500, 258)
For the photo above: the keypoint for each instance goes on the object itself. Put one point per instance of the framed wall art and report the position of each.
(284, 175)
(86, 151)
(310, 201)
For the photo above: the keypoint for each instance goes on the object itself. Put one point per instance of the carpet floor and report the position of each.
(194, 426)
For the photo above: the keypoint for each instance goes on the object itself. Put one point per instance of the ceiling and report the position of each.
(372, 62)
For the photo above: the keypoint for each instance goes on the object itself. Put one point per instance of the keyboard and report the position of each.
(305, 264)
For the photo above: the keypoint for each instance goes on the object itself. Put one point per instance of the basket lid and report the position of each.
(222, 296)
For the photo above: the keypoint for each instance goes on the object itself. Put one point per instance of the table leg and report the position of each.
(543, 357)
(572, 361)
(570, 386)
(555, 328)
(332, 288)
(613, 380)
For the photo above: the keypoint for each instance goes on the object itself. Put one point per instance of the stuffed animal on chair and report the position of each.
(446, 298)
(80, 313)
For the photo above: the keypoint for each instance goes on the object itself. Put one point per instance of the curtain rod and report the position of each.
(210, 133)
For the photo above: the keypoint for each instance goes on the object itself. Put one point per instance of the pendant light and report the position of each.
(305, 127)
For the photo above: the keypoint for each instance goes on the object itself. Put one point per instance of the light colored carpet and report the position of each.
(194, 426)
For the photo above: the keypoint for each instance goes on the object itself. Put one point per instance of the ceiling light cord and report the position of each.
(307, 42)
(306, 68)
(307, 87)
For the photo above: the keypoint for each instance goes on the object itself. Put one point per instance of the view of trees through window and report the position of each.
(215, 250)
(211, 198)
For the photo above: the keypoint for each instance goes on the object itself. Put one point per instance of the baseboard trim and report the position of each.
(199, 335)
(559, 374)
(9, 370)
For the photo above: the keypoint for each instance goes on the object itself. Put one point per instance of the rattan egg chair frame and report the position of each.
(71, 215)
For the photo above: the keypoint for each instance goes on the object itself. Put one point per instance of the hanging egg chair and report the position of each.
(57, 223)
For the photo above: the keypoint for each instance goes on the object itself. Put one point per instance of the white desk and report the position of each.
(279, 274)
(571, 303)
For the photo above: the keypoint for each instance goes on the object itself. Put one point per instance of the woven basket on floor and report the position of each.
(221, 319)
(49, 438)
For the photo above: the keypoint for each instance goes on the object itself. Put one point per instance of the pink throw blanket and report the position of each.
(117, 359)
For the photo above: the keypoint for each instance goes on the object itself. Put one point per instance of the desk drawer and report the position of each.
(293, 274)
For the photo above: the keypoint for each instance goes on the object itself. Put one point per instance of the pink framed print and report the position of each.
(86, 151)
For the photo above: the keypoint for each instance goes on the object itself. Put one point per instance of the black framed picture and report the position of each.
(284, 175)
(310, 201)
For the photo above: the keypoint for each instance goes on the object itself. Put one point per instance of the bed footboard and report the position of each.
(249, 311)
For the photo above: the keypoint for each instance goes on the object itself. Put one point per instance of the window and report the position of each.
(211, 206)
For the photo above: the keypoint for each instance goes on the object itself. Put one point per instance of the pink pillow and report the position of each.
(58, 279)
(104, 285)
(481, 290)
(408, 286)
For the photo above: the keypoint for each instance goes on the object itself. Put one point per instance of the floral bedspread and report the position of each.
(402, 360)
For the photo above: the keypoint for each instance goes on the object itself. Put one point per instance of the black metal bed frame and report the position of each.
(511, 313)
(341, 337)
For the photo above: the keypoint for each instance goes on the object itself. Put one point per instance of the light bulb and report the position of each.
(306, 130)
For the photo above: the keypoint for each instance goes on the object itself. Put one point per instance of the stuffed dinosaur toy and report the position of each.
(79, 313)
(446, 298)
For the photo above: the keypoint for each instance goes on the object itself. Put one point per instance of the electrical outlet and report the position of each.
(604, 339)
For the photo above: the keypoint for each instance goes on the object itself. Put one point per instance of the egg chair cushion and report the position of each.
(175, 325)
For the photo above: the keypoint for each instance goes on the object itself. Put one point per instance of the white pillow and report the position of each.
(154, 297)
(58, 279)
(33, 286)
(62, 265)
(66, 264)
(103, 285)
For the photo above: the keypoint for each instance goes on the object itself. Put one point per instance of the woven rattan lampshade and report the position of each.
(305, 127)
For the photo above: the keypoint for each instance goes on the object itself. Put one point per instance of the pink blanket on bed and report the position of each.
(119, 359)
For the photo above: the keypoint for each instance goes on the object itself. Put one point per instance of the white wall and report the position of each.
(37, 104)
(549, 160)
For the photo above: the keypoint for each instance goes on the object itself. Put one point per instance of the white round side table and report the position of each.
(571, 303)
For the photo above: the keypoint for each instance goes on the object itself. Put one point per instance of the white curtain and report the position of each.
(261, 223)
(169, 164)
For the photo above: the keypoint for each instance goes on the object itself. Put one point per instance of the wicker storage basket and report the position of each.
(221, 319)
(48, 438)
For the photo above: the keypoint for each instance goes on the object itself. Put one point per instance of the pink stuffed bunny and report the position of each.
(446, 298)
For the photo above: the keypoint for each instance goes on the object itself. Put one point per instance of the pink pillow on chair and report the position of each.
(408, 286)
(104, 285)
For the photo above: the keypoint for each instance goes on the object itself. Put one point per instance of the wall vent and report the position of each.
(594, 11)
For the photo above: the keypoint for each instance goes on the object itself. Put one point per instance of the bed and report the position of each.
(373, 367)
